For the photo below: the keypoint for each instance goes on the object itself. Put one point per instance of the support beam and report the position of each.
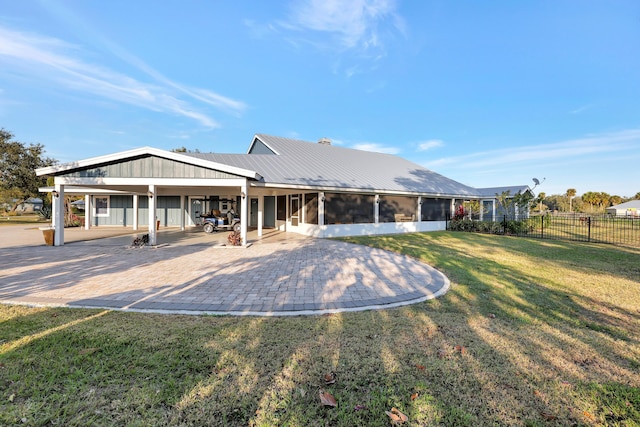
(321, 208)
(153, 197)
(376, 209)
(244, 200)
(419, 210)
(136, 200)
(87, 211)
(182, 213)
(260, 214)
(58, 215)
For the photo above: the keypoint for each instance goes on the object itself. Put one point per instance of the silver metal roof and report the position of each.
(328, 167)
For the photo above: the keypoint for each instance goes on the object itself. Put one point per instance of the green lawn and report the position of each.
(21, 219)
(531, 333)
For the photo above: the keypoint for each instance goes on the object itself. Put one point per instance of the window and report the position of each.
(348, 208)
(397, 209)
(101, 206)
(436, 209)
(281, 208)
(311, 208)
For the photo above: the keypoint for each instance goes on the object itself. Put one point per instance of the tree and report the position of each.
(540, 199)
(615, 200)
(571, 193)
(637, 196)
(18, 164)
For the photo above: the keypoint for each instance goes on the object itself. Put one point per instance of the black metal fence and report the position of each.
(575, 227)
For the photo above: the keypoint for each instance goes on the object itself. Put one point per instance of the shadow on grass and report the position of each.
(552, 354)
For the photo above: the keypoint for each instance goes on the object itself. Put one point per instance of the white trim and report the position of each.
(296, 187)
(145, 182)
(369, 229)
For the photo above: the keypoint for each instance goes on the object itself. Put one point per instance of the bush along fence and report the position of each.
(575, 227)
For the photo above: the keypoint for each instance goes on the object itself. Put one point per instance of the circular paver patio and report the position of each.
(279, 275)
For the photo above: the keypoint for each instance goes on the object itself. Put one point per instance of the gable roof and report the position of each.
(302, 164)
(631, 204)
(143, 151)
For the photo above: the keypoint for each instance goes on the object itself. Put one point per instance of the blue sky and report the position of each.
(488, 93)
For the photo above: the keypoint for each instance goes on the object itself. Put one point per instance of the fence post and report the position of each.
(504, 225)
(588, 229)
(542, 226)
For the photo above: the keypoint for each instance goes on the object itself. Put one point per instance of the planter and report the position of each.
(49, 234)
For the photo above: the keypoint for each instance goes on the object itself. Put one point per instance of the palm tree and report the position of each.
(571, 193)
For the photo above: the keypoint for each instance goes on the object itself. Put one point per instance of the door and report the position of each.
(196, 207)
(269, 212)
(253, 210)
(295, 210)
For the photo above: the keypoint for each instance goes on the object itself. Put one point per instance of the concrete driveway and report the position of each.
(192, 273)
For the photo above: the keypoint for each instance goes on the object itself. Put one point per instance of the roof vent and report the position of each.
(324, 141)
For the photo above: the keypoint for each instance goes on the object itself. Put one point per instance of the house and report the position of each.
(31, 205)
(628, 209)
(315, 189)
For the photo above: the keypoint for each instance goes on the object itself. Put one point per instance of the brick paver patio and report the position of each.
(282, 274)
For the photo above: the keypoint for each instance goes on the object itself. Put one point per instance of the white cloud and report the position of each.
(430, 144)
(564, 150)
(354, 23)
(50, 59)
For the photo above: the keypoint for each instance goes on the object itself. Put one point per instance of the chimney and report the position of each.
(324, 141)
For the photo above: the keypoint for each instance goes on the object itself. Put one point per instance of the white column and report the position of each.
(321, 208)
(152, 214)
(54, 207)
(135, 211)
(87, 211)
(260, 214)
(244, 200)
(376, 207)
(419, 210)
(58, 216)
(182, 213)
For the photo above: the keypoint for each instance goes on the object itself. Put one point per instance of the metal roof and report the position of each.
(322, 166)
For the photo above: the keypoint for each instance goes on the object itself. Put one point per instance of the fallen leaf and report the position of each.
(460, 349)
(360, 407)
(396, 416)
(330, 378)
(548, 417)
(589, 416)
(442, 353)
(414, 396)
(88, 351)
(492, 316)
(421, 367)
(13, 396)
(327, 399)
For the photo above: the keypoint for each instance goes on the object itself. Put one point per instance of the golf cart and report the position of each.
(217, 222)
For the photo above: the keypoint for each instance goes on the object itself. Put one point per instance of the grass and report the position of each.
(531, 333)
(21, 219)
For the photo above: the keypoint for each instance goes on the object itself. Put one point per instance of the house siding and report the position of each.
(150, 167)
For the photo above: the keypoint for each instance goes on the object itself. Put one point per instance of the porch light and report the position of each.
(55, 194)
(150, 194)
(243, 195)
(322, 199)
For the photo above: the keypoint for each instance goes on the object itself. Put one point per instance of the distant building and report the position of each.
(631, 208)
